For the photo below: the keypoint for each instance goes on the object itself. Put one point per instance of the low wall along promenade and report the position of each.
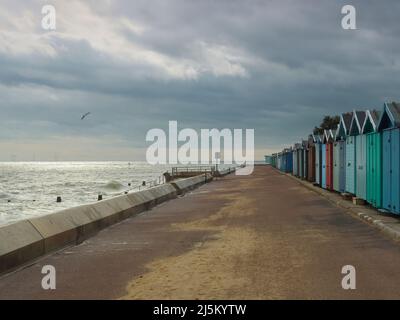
(26, 240)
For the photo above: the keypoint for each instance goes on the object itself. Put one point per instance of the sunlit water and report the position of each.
(29, 189)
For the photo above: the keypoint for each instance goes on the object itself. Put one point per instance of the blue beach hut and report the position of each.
(318, 159)
(305, 158)
(341, 134)
(389, 124)
(374, 158)
(294, 153)
(360, 154)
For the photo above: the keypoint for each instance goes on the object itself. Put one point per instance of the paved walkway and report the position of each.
(263, 236)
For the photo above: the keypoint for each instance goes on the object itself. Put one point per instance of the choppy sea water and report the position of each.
(29, 189)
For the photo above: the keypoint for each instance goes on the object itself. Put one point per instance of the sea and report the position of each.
(30, 189)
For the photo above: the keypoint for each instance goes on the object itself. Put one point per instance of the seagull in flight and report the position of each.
(85, 115)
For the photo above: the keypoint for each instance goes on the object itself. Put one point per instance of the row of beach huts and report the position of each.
(361, 157)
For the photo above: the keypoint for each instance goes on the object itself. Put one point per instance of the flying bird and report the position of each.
(85, 115)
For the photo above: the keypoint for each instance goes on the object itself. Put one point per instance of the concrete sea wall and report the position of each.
(30, 239)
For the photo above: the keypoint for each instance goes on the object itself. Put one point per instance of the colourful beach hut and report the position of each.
(336, 162)
(389, 124)
(340, 138)
(288, 160)
(351, 160)
(374, 158)
(329, 159)
(318, 159)
(296, 159)
(300, 153)
(356, 126)
(279, 161)
(273, 160)
(311, 158)
(323, 161)
(305, 159)
(282, 161)
(294, 166)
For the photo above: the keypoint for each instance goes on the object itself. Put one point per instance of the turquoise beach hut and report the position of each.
(389, 124)
(336, 161)
(360, 154)
(374, 158)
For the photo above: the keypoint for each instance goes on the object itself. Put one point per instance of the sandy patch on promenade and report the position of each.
(235, 263)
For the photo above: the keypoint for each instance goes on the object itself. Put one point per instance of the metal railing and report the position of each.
(193, 169)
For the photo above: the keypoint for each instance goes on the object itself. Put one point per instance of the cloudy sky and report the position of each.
(275, 66)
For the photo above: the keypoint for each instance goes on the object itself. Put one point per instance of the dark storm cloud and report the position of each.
(276, 66)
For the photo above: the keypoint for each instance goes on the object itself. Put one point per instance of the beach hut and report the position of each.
(273, 160)
(299, 165)
(287, 160)
(278, 161)
(318, 159)
(281, 161)
(323, 161)
(305, 159)
(300, 157)
(329, 159)
(336, 162)
(341, 134)
(289, 163)
(374, 158)
(311, 158)
(294, 153)
(351, 160)
(389, 124)
(293, 162)
(356, 126)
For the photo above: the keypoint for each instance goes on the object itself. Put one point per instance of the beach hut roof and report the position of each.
(357, 122)
(336, 134)
(312, 139)
(344, 125)
(390, 117)
(328, 135)
(371, 121)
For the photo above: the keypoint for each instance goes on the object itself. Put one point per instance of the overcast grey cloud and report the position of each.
(275, 66)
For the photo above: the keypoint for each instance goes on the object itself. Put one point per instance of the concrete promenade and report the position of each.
(264, 236)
